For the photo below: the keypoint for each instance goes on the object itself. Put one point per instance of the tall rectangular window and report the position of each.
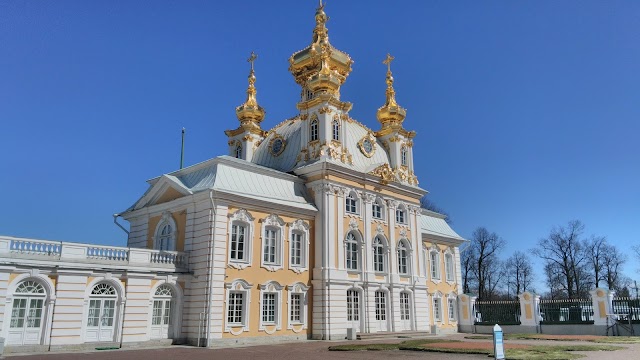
(353, 305)
(270, 248)
(296, 308)
(235, 310)
(376, 210)
(237, 243)
(297, 249)
(269, 308)
(405, 307)
(451, 304)
(435, 265)
(448, 267)
(381, 305)
(400, 216)
(437, 309)
(351, 204)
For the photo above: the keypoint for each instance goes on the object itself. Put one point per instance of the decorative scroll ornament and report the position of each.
(385, 172)
(403, 232)
(380, 230)
(277, 145)
(367, 145)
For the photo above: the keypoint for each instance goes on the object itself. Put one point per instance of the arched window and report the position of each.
(403, 258)
(27, 314)
(314, 130)
(239, 151)
(403, 156)
(379, 255)
(162, 314)
(336, 130)
(165, 233)
(101, 316)
(351, 203)
(352, 248)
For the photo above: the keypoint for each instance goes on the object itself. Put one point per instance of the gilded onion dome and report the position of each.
(320, 67)
(390, 113)
(250, 110)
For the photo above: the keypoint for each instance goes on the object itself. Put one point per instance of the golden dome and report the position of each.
(250, 111)
(390, 113)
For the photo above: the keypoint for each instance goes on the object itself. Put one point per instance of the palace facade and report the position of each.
(304, 231)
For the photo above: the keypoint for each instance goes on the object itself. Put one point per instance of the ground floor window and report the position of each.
(451, 304)
(353, 305)
(405, 307)
(235, 308)
(269, 301)
(381, 305)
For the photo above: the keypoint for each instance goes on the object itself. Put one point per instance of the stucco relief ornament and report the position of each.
(277, 145)
(367, 145)
(403, 232)
(380, 230)
(385, 172)
(242, 215)
(353, 224)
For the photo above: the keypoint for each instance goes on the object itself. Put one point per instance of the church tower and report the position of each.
(396, 139)
(320, 69)
(244, 139)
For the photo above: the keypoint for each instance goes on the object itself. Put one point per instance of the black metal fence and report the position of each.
(497, 312)
(628, 307)
(570, 311)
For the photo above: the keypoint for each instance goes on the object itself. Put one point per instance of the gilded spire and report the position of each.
(320, 32)
(250, 111)
(390, 112)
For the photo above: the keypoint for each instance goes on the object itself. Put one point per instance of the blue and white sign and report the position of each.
(498, 343)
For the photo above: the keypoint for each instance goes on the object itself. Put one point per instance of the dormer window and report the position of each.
(239, 152)
(403, 156)
(336, 130)
(314, 130)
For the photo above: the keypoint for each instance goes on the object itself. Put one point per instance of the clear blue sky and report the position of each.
(527, 112)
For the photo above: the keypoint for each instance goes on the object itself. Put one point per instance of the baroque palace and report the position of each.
(310, 230)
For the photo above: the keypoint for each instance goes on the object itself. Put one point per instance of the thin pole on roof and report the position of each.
(182, 151)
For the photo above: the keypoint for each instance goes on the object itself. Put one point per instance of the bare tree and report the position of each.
(564, 255)
(467, 263)
(612, 261)
(430, 205)
(484, 249)
(596, 248)
(519, 272)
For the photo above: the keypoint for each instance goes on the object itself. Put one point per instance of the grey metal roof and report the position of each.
(436, 225)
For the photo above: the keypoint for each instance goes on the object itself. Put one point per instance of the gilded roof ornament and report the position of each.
(320, 67)
(390, 113)
(250, 111)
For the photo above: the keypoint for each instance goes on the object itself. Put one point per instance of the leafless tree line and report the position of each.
(572, 265)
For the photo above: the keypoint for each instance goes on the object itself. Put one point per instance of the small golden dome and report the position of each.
(390, 113)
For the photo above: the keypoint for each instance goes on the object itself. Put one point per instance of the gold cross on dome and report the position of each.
(252, 58)
(387, 61)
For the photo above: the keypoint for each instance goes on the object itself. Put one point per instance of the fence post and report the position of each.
(465, 315)
(529, 309)
(602, 305)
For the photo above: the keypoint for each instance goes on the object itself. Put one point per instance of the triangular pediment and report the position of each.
(166, 189)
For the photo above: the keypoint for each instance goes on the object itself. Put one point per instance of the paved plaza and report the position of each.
(307, 350)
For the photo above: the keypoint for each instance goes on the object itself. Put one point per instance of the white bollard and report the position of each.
(498, 343)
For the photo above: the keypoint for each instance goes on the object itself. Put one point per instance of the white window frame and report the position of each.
(297, 289)
(335, 127)
(402, 211)
(434, 264)
(451, 307)
(238, 151)
(357, 240)
(404, 246)
(238, 286)
(449, 267)
(437, 307)
(357, 310)
(384, 247)
(380, 204)
(271, 287)
(241, 218)
(381, 312)
(314, 130)
(158, 238)
(275, 223)
(403, 156)
(299, 227)
(352, 199)
(405, 308)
